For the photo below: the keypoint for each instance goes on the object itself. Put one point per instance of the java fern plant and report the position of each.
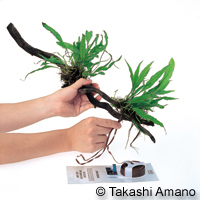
(145, 95)
(79, 58)
(84, 59)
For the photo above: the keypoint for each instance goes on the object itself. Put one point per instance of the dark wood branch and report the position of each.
(134, 117)
(86, 89)
(89, 89)
(24, 45)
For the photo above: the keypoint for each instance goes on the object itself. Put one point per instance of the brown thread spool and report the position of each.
(137, 171)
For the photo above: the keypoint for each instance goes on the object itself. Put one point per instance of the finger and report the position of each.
(96, 85)
(99, 146)
(85, 106)
(102, 138)
(108, 123)
(85, 100)
(102, 131)
(98, 98)
(78, 84)
(84, 97)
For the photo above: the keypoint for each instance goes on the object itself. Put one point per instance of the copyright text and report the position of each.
(115, 191)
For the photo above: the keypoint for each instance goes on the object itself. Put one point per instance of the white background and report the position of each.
(138, 30)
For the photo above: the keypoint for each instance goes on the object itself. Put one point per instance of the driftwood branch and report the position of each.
(86, 89)
(24, 45)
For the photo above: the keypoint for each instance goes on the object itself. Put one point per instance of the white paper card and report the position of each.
(97, 174)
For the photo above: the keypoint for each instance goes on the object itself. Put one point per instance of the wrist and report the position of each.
(66, 143)
(52, 106)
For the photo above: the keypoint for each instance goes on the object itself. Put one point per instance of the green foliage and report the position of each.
(79, 57)
(146, 94)
(42, 68)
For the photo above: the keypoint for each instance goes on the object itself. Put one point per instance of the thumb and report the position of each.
(78, 84)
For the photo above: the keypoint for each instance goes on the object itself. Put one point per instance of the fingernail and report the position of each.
(119, 125)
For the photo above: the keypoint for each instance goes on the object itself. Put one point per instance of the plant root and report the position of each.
(102, 150)
(131, 144)
(88, 89)
(129, 135)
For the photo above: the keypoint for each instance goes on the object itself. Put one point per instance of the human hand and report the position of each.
(90, 134)
(68, 102)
